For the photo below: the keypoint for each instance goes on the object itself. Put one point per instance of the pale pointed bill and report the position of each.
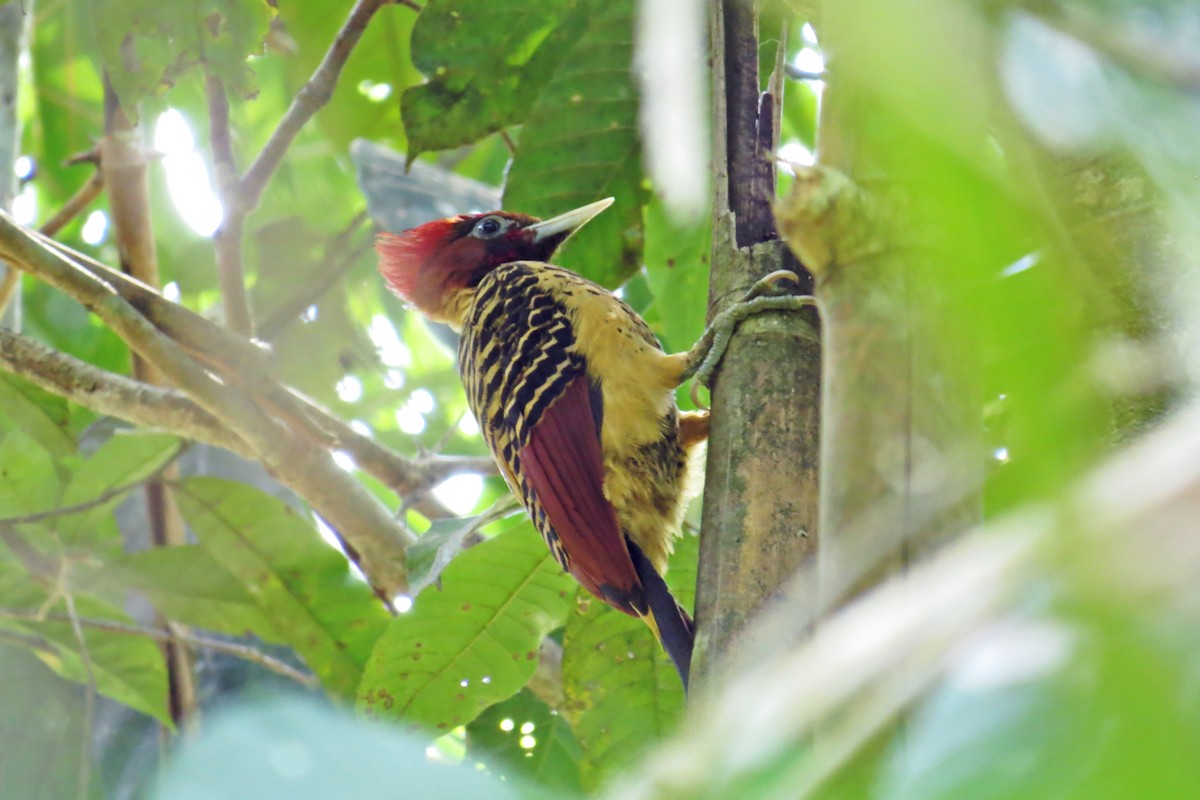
(570, 221)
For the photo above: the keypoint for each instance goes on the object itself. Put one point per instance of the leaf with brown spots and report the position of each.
(467, 645)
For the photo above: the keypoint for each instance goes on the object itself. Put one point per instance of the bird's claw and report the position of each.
(776, 291)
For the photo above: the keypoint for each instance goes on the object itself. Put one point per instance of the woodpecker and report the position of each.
(574, 396)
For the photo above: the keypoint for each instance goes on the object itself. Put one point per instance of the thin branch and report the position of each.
(311, 97)
(73, 207)
(236, 649)
(114, 395)
(339, 258)
(228, 238)
(89, 697)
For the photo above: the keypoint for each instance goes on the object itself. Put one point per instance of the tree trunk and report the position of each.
(760, 494)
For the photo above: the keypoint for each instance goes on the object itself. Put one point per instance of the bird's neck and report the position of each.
(452, 307)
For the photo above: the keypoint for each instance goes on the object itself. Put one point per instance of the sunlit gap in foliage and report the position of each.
(187, 176)
(796, 153)
(410, 417)
(402, 603)
(375, 92)
(349, 389)
(392, 351)
(344, 460)
(460, 493)
(24, 208)
(810, 60)
(94, 228)
(171, 292)
(468, 425)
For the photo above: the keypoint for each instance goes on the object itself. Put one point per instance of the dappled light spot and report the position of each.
(187, 175)
(528, 742)
(23, 167)
(402, 603)
(343, 460)
(459, 493)
(349, 389)
(94, 228)
(392, 351)
(506, 725)
(375, 92)
(24, 208)
(527, 727)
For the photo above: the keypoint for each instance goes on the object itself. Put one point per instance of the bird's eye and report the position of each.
(488, 227)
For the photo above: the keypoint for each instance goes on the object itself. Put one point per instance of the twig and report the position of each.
(508, 142)
(114, 395)
(237, 649)
(228, 238)
(339, 258)
(78, 202)
(89, 697)
(311, 97)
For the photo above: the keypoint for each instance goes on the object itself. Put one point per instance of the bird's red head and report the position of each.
(429, 265)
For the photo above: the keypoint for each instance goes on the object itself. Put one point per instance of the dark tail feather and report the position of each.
(675, 627)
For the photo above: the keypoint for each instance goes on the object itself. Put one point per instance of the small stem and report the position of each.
(237, 649)
(311, 97)
(231, 273)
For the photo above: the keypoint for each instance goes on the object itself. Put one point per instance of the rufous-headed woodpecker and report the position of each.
(573, 394)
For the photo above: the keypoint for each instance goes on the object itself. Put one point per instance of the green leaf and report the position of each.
(474, 641)
(443, 540)
(129, 457)
(303, 587)
(126, 668)
(39, 414)
(677, 269)
(580, 144)
(29, 482)
(185, 584)
(524, 737)
(146, 45)
(293, 747)
(486, 64)
(622, 693)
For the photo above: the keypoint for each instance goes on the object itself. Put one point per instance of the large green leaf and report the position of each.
(523, 736)
(294, 748)
(474, 641)
(127, 458)
(580, 143)
(38, 413)
(303, 587)
(145, 45)
(486, 64)
(677, 270)
(186, 584)
(622, 693)
(29, 481)
(129, 669)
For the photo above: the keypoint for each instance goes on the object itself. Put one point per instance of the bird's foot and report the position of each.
(773, 292)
